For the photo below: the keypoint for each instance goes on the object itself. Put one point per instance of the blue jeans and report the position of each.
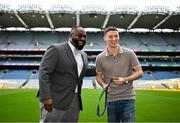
(121, 111)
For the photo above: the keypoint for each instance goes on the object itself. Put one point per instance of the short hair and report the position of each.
(74, 28)
(110, 28)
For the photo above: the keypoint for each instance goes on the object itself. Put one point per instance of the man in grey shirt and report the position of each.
(120, 64)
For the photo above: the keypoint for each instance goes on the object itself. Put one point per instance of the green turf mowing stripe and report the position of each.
(151, 106)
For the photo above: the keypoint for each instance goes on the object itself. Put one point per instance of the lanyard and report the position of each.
(105, 102)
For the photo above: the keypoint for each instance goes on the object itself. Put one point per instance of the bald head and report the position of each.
(78, 37)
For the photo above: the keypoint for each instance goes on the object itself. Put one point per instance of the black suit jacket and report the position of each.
(58, 76)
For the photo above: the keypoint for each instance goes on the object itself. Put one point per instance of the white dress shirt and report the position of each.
(78, 58)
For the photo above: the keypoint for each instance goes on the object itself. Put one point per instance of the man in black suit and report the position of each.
(61, 74)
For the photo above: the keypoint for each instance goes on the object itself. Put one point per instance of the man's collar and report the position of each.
(120, 50)
(74, 50)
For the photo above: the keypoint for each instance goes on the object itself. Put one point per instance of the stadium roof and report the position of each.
(54, 14)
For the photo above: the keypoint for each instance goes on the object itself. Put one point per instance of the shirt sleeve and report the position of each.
(134, 60)
(98, 65)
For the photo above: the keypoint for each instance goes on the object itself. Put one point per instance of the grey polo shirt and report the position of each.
(120, 65)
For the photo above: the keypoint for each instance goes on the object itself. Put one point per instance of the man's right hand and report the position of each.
(48, 104)
(104, 86)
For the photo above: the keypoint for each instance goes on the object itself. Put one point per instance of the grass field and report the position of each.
(151, 106)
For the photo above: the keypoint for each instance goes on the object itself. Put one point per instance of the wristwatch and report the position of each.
(126, 80)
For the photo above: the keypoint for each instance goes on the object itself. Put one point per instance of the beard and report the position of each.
(78, 43)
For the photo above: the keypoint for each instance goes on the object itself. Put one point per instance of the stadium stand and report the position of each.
(21, 51)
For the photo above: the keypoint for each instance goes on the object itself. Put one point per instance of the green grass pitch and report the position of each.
(151, 106)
